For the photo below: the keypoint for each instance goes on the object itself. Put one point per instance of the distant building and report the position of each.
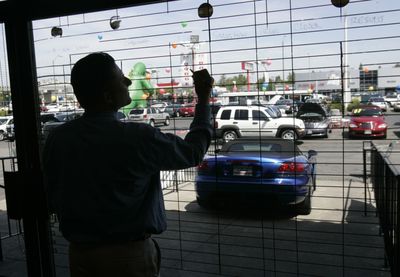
(383, 79)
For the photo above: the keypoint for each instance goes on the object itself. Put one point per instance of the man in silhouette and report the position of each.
(103, 175)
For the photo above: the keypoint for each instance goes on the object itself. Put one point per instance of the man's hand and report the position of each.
(203, 83)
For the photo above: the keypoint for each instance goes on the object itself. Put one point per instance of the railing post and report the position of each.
(396, 250)
(365, 177)
(1, 250)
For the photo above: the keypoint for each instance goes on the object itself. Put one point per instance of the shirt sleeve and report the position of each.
(165, 151)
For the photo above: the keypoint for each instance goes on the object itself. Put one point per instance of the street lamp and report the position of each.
(283, 61)
(346, 91)
(54, 73)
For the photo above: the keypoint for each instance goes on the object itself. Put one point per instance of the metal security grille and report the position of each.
(259, 52)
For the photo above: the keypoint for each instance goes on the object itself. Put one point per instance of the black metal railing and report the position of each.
(385, 179)
(8, 227)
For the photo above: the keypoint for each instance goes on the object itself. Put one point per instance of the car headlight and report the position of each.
(352, 125)
(383, 125)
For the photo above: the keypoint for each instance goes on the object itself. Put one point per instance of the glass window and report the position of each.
(241, 115)
(259, 115)
(226, 115)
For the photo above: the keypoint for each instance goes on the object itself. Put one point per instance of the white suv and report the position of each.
(240, 121)
(4, 122)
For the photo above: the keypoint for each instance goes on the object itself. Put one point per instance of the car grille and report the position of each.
(366, 125)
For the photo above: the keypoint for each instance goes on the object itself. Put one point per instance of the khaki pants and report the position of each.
(129, 259)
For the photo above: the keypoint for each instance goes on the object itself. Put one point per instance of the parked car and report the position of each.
(161, 106)
(52, 108)
(45, 118)
(66, 108)
(313, 100)
(173, 110)
(367, 121)
(187, 110)
(315, 118)
(391, 98)
(150, 116)
(379, 102)
(4, 121)
(396, 106)
(336, 118)
(245, 121)
(285, 104)
(250, 169)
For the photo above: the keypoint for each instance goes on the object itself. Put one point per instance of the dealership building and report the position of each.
(380, 79)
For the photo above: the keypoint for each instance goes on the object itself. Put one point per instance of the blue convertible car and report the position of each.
(258, 169)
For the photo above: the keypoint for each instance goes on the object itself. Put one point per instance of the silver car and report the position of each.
(150, 116)
(378, 101)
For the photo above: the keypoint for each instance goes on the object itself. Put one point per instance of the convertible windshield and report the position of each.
(255, 147)
(367, 112)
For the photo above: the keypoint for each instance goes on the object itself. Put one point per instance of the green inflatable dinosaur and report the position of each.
(140, 89)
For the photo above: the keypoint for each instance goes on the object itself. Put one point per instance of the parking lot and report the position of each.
(339, 238)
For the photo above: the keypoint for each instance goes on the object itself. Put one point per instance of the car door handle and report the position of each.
(234, 122)
(255, 123)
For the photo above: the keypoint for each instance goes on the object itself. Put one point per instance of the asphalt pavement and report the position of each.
(339, 238)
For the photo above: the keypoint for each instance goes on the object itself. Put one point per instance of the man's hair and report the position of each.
(89, 75)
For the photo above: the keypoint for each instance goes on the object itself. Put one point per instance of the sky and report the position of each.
(298, 35)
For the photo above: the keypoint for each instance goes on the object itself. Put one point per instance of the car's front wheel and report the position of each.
(289, 134)
(152, 124)
(2, 136)
(229, 135)
(178, 114)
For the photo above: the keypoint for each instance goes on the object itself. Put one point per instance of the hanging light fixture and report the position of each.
(205, 10)
(115, 22)
(340, 3)
(56, 31)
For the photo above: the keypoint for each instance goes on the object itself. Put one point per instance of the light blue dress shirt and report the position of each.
(103, 175)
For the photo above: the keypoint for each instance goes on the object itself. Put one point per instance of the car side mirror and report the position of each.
(312, 153)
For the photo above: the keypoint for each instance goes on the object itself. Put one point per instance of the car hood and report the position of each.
(360, 119)
(310, 108)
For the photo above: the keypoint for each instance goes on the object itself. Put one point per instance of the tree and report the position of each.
(222, 80)
(291, 78)
(271, 84)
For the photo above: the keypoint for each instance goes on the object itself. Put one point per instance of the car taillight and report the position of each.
(291, 167)
(215, 124)
(145, 116)
(202, 166)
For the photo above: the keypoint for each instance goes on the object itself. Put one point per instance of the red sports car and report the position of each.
(367, 121)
